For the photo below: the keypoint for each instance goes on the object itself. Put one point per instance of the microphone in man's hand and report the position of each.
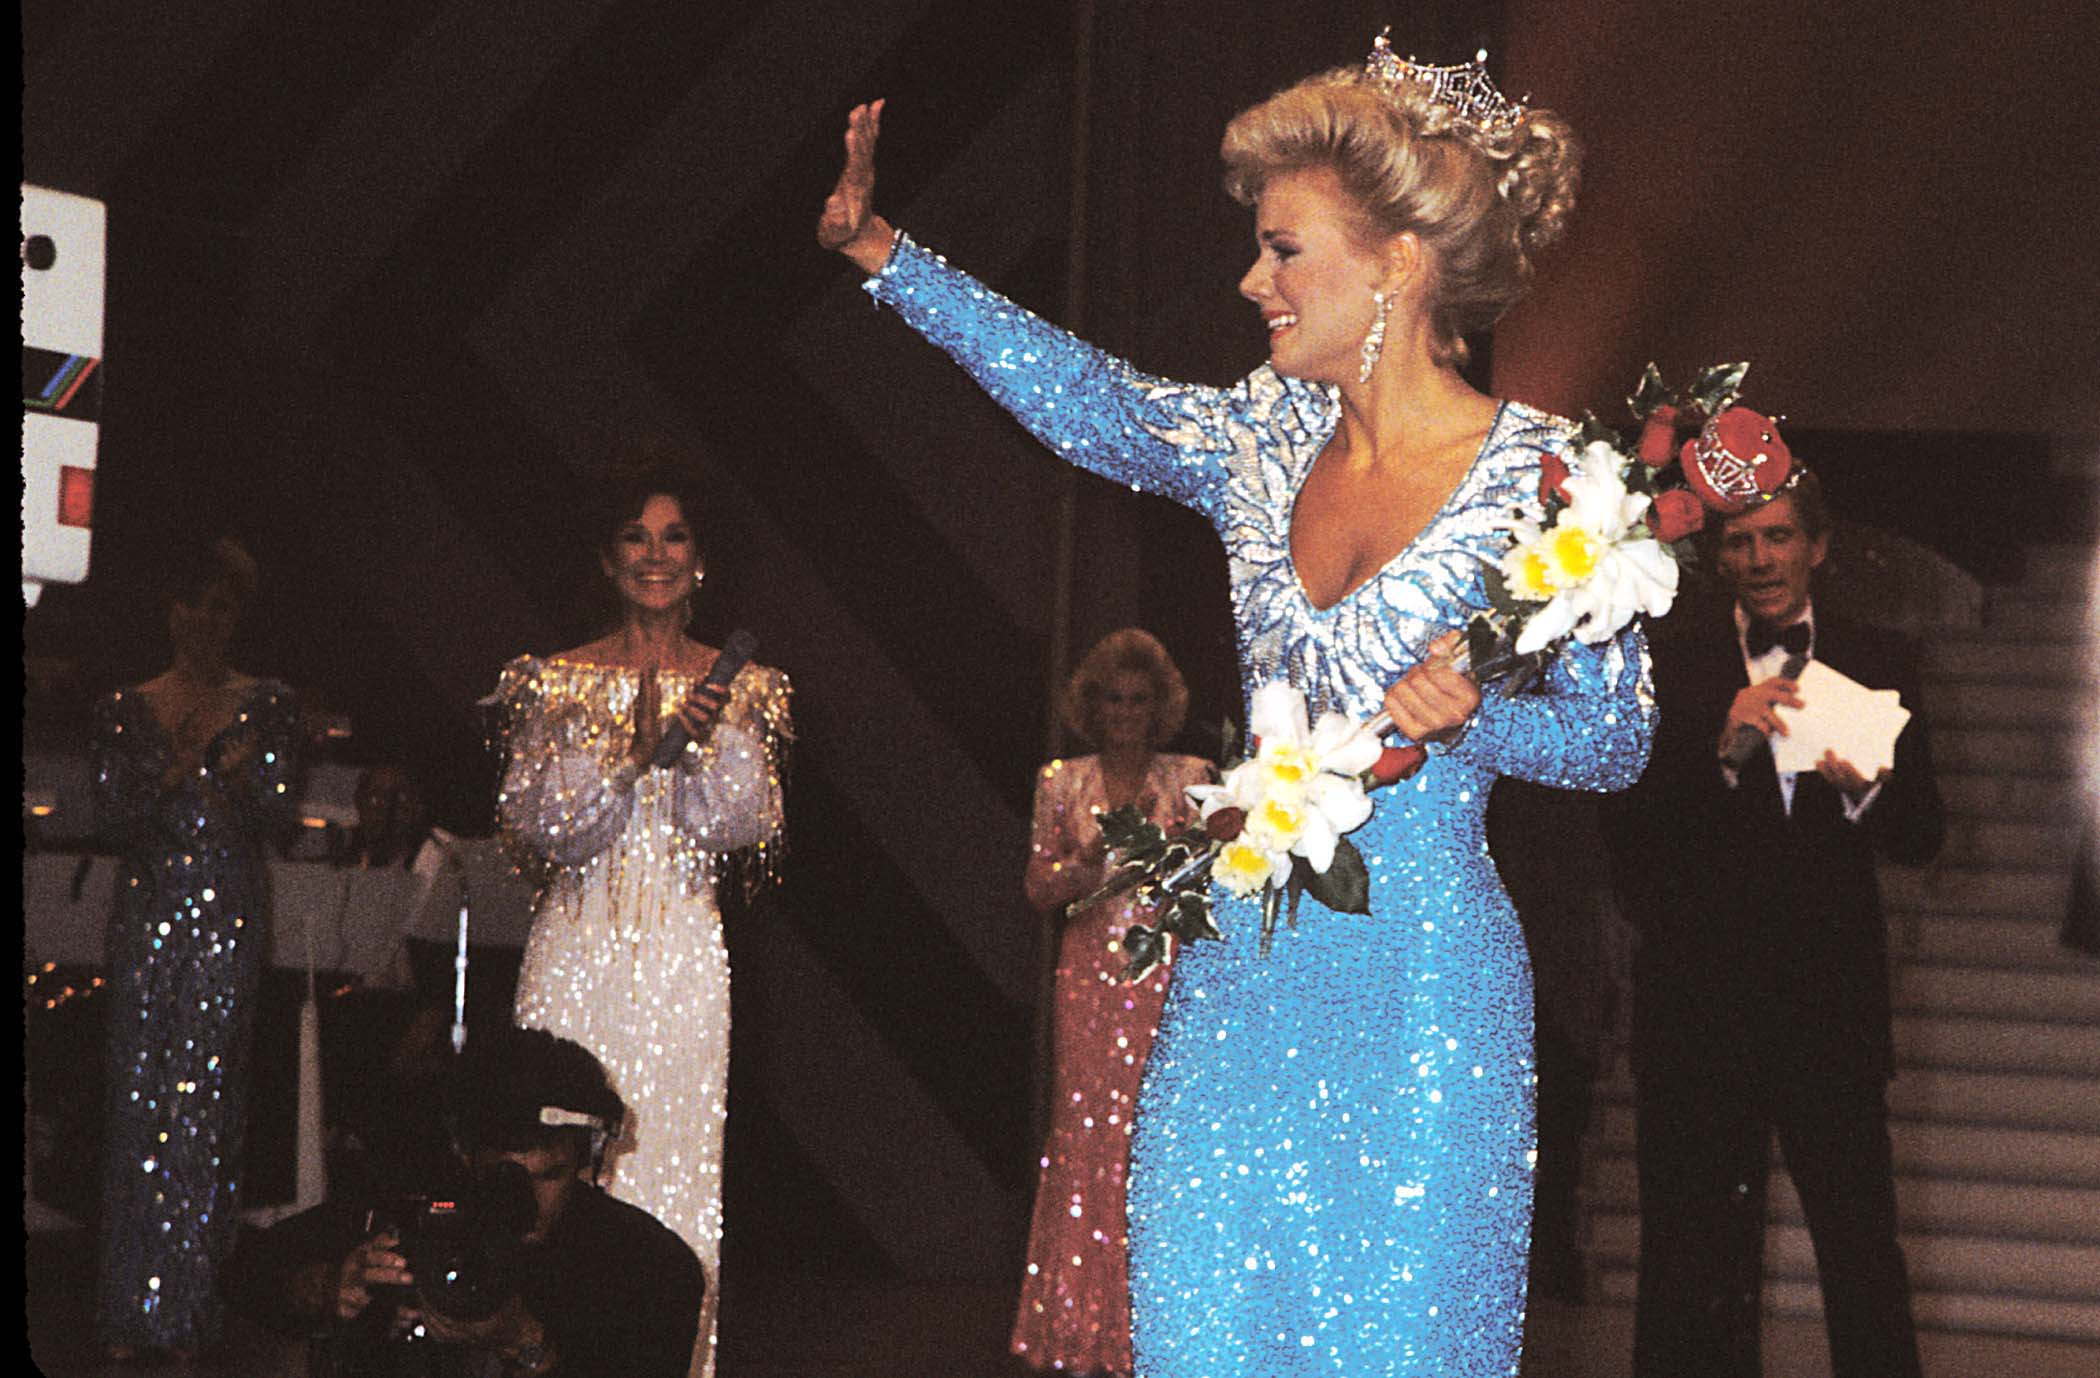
(736, 653)
(1745, 740)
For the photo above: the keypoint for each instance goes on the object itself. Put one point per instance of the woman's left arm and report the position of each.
(256, 767)
(1589, 726)
(729, 793)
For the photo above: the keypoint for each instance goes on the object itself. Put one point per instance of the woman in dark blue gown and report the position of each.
(194, 773)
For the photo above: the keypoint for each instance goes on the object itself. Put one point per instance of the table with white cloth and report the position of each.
(356, 918)
(351, 926)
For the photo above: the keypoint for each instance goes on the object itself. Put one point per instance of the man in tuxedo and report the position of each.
(1761, 989)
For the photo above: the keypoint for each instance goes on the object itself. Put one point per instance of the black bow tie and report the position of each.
(1759, 639)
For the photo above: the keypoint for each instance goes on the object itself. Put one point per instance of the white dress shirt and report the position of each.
(1764, 667)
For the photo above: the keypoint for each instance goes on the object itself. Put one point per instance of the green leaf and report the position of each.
(1480, 640)
(1127, 831)
(1228, 744)
(1345, 887)
(1192, 918)
(1716, 388)
(1649, 393)
(1143, 949)
(1497, 589)
(1593, 430)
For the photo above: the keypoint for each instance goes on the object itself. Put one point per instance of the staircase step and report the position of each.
(2075, 456)
(2027, 1100)
(1934, 1039)
(1975, 1152)
(1992, 941)
(2038, 616)
(2065, 569)
(2070, 995)
(2045, 1336)
(2019, 1210)
(2001, 659)
(1951, 1095)
(2019, 891)
(1981, 703)
(2037, 1269)
(2003, 795)
(2023, 750)
(1978, 841)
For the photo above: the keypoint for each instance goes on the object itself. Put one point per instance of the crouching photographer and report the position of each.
(515, 1264)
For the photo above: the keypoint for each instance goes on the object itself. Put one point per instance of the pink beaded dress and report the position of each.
(1074, 1313)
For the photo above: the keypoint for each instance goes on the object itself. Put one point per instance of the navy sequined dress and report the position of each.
(1332, 1166)
(185, 948)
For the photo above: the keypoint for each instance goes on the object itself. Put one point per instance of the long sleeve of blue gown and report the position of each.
(1095, 410)
(1589, 726)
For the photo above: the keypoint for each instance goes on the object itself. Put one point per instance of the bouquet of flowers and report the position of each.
(1605, 543)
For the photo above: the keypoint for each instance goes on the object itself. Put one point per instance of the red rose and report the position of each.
(1225, 824)
(1658, 433)
(1396, 763)
(1676, 515)
(1553, 472)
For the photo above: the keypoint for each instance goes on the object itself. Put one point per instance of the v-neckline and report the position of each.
(240, 705)
(1290, 527)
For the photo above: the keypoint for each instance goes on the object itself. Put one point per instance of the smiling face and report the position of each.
(1767, 556)
(653, 558)
(1313, 278)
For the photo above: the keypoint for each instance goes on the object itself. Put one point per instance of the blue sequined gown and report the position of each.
(1331, 1172)
(186, 945)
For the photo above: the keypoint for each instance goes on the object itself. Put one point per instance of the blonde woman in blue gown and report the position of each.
(1331, 1170)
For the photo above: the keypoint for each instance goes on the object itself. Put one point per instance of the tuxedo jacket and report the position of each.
(1764, 953)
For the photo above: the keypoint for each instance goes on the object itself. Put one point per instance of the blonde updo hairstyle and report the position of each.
(1480, 203)
(1131, 649)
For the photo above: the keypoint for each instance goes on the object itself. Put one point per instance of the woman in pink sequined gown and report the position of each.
(1128, 698)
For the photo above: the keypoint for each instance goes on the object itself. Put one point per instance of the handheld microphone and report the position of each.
(736, 653)
(1746, 740)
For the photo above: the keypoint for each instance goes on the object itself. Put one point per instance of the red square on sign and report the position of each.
(76, 496)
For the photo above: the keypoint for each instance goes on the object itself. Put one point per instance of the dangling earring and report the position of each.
(1374, 338)
(699, 578)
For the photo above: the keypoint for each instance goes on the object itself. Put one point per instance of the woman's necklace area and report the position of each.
(1124, 783)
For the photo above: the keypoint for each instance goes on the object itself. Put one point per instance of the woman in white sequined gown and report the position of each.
(626, 953)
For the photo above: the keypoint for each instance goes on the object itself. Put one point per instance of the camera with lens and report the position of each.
(463, 1243)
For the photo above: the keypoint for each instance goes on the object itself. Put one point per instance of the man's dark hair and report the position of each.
(1811, 508)
(504, 1078)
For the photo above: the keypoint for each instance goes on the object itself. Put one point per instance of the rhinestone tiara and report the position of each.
(1466, 88)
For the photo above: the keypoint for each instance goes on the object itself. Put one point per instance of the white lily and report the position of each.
(1599, 558)
(1301, 791)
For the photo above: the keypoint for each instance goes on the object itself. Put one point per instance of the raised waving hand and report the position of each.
(849, 224)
